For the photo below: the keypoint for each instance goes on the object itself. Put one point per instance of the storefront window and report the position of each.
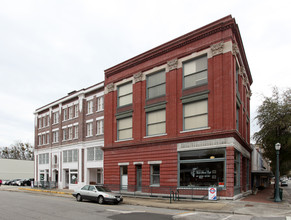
(74, 177)
(202, 168)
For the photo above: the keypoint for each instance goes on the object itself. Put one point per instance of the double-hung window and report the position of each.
(89, 129)
(99, 125)
(76, 110)
(124, 94)
(100, 103)
(124, 128)
(195, 72)
(195, 114)
(156, 84)
(70, 133)
(65, 114)
(156, 122)
(90, 107)
(155, 174)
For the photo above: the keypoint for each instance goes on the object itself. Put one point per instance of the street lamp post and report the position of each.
(277, 196)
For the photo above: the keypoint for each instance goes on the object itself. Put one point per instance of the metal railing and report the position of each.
(172, 192)
(45, 184)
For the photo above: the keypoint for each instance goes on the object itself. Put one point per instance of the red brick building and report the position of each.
(178, 115)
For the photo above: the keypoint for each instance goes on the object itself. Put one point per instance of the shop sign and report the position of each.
(212, 193)
(221, 184)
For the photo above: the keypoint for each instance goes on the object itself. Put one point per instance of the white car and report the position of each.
(97, 193)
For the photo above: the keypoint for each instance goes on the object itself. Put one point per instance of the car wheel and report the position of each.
(79, 198)
(100, 200)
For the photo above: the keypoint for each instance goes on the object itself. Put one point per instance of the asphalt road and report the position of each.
(24, 205)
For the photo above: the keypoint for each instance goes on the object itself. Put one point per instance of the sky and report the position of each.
(49, 48)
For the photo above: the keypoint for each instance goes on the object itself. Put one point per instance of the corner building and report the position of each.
(177, 116)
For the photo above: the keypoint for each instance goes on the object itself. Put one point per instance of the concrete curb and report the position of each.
(46, 191)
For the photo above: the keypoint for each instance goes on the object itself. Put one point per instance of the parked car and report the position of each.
(97, 193)
(5, 182)
(22, 182)
(0, 182)
(12, 182)
(284, 183)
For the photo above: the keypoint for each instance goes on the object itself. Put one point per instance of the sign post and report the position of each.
(212, 193)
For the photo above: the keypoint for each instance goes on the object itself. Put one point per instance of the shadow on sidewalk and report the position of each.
(264, 196)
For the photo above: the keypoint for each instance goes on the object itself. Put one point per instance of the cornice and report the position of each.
(210, 29)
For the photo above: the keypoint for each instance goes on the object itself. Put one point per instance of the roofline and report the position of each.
(70, 96)
(216, 26)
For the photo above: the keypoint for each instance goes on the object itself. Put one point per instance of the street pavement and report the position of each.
(261, 204)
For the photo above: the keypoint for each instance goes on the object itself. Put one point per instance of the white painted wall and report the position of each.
(16, 169)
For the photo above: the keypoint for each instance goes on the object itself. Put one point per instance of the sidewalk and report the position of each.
(260, 204)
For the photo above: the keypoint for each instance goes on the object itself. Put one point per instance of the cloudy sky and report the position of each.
(51, 47)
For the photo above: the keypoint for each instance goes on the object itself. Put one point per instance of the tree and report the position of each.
(274, 119)
(19, 150)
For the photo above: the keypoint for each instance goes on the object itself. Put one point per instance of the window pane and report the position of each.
(124, 123)
(195, 108)
(157, 91)
(125, 100)
(157, 129)
(90, 154)
(202, 174)
(124, 89)
(196, 122)
(156, 116)
(156, 79)
(75, 156)
(125, 134)
(202, 154)
(194, 66)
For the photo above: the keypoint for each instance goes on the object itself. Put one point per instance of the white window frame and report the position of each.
(128, 94)
(89, 129)
(100, 103)
(100, 127)
(89, 106)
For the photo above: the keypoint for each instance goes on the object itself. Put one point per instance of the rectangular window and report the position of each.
(65, 134)
(124, 94)
(44, 158)
(195, 72)
(43, 139)
(44, 121)
(65, 156)
(202, 168)
(39, 123)
(39, 140)
(90, 107)
(237, 79)
(47, 138)
(236, 172)
(65, 114)
(74, 176)
(156, 85)
(155, 174)
(70, 133)
(76, 131)
(124, 128)
(70, 112)
(196, 115)
(56, 117)
(55, 136)
(94, 154)
(156, 122)
(76, 111)
(99, 125)
(100, 103)
(89, 130)
(237, 117)
(70, 156)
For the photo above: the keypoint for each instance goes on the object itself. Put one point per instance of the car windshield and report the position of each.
(102, 189)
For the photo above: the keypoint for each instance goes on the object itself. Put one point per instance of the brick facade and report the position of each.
(227, 96)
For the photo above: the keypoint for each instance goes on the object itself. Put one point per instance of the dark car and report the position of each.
(97, 193)
(12, 182)
(23, 182)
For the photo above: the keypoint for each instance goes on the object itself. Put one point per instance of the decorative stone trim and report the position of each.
(110, 87)
(242, 71)
(172, 64)
(137, 77)
(235, 50)
(217, 49)
(211, 144)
